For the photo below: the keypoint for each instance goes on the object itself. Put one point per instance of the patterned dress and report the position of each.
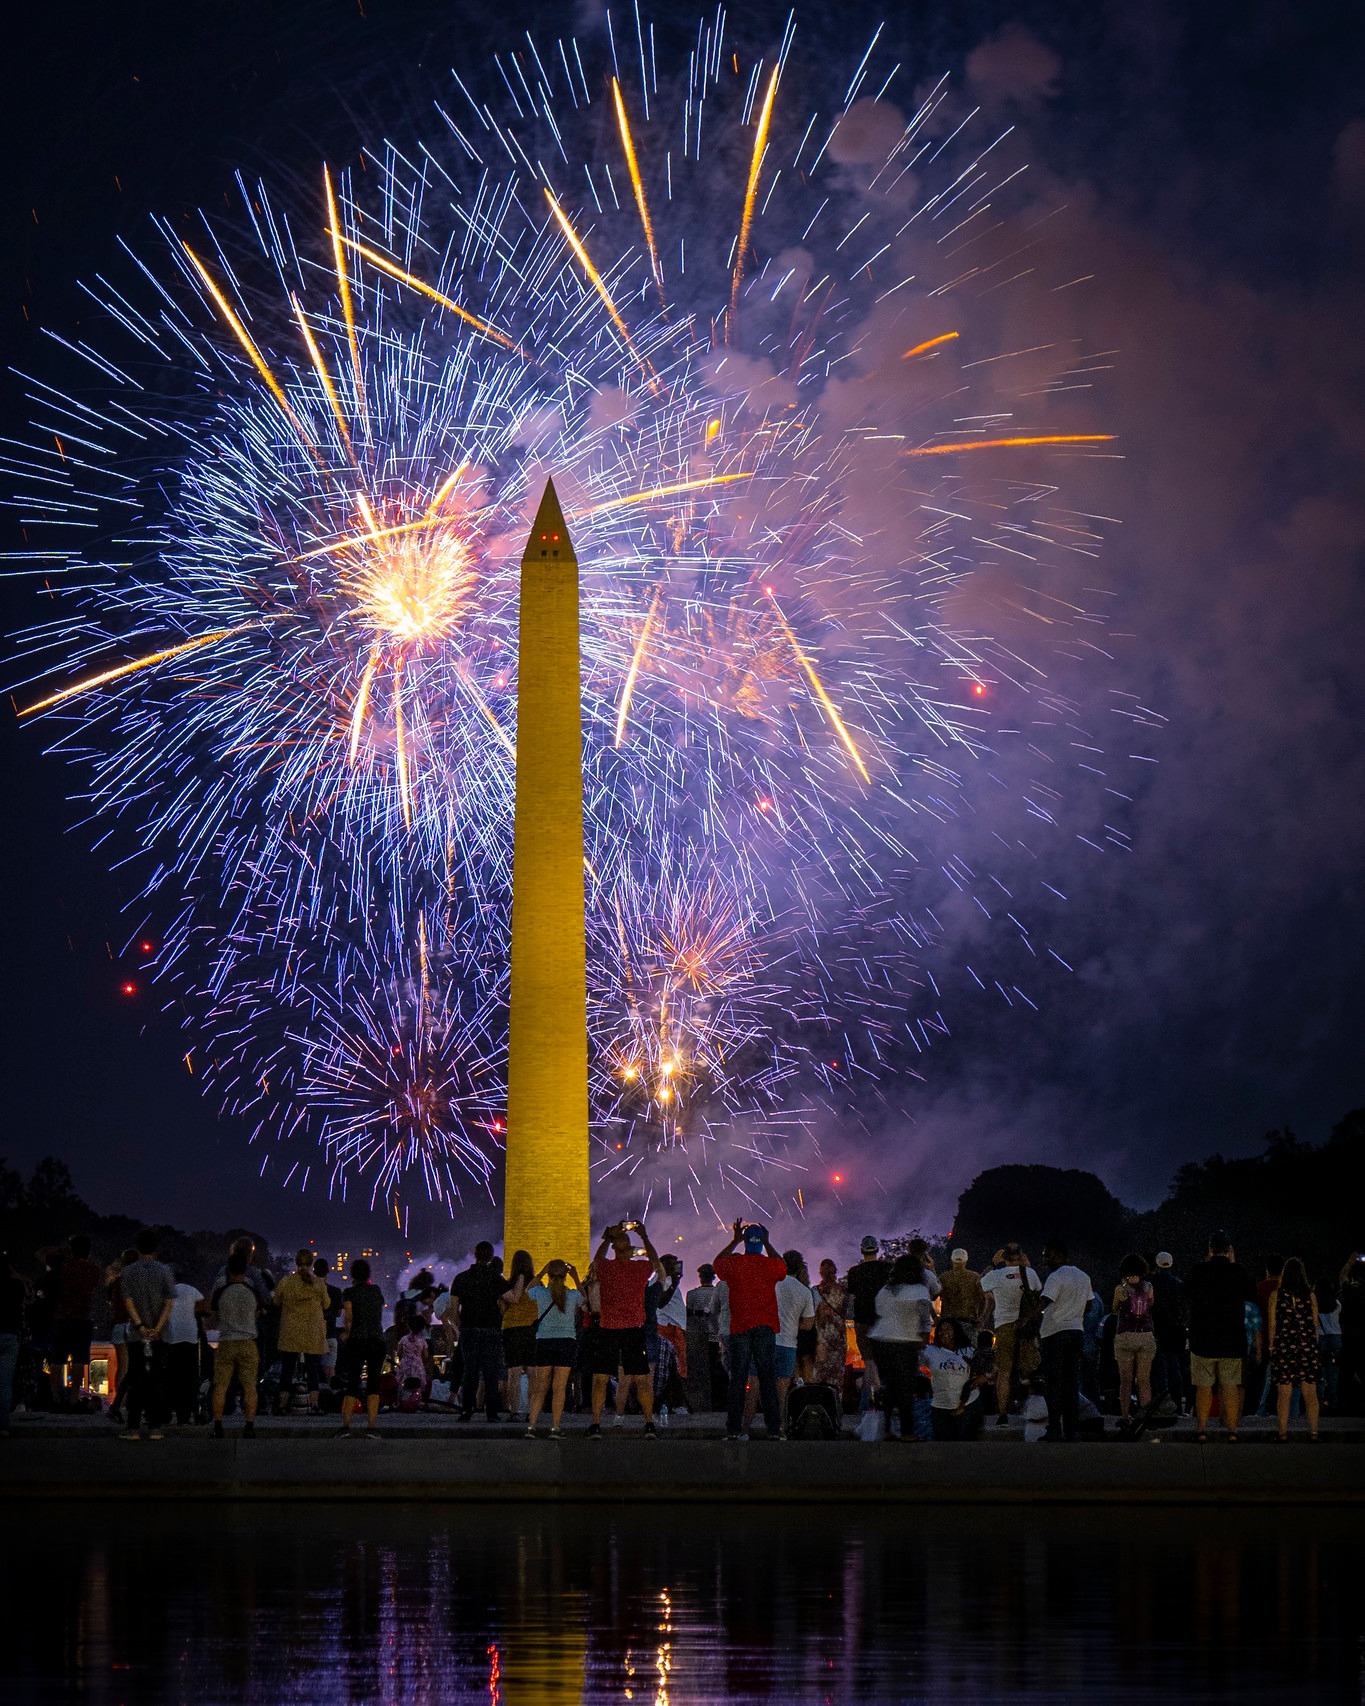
(1294, 1350)
(831, 1338)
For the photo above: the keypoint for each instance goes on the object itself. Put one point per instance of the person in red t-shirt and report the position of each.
(752, 1279)
(620, 1344)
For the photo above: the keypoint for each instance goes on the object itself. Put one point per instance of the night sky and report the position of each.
(1213, 162)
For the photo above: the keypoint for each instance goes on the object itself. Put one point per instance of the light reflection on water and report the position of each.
(669, 1606)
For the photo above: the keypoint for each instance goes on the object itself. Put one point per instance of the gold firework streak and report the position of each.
(344, 286)
(320, 368)
(1012, 443)
(446, 487)
(657, 492)
(818, 688)
(393, 269)
(628, 690)
(638, 185)
(596, 281)
(506, 741)
(930, 343)
(751, 190)
(362, 700)
(148, 662)
(400, 746)
(368, 538)
(244, 338)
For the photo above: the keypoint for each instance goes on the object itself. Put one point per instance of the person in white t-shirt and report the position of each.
(956, 1410)
(1066, 1296)
(795, 1310)
(181, 1338)
(1003, 1286)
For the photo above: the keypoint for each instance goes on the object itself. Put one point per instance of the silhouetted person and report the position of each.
(1066, 1295)
(1218, 1291)
(148, 1293)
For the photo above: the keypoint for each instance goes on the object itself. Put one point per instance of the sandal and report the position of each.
(1201, 1438)
(1232, 1439)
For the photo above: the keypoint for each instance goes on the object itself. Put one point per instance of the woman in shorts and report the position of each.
(553, 1352)
(1134, 1337)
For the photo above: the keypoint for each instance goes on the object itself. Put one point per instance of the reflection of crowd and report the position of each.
(893, 1348)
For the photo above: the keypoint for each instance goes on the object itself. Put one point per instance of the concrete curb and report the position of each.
(627, 1470)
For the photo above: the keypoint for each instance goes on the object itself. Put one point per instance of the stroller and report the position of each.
(813, 1412)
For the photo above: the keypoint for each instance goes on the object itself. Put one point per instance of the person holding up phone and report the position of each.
(621, 1273)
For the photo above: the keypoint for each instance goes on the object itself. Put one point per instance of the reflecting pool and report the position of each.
(673, 1605)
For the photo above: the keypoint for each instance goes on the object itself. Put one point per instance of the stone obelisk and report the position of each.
(547, 1070)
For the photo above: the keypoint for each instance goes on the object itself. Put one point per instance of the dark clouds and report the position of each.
(1213, 165)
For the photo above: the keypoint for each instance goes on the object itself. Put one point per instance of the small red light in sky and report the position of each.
(396, 1050)
(147, 947)
(765, 805)
(838, 1178)
(978, 690)
(768, 590)
(129, 988)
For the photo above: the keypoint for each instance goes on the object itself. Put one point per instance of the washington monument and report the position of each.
(546, 1205)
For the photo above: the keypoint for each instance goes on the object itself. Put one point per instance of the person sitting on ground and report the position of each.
(1016, 1355)
(752, 1277)
(905, 1319)
(620, 1341)
(556, 1303)
(1218, 1292)
(795, 1315)
(961, 1298)
(362, 1337)
(1134, 1334)
(237, 1304)
(1294, 1358)
(956, 1410)
(412, 1365)
(1066, 1296)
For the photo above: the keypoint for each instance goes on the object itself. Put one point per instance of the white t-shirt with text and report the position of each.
(948, 1375)
(1004, 1286)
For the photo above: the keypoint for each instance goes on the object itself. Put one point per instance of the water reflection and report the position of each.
(668, 1606)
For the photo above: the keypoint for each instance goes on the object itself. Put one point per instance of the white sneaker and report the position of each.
(661, 1415)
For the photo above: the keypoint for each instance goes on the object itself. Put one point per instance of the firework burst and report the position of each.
(826, 588)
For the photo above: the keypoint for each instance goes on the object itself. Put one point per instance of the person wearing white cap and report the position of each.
(1170, 1320)
(961, 1299)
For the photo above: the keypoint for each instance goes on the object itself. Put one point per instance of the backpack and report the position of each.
(1030, 1307)
(812, 1412)
(1135, 1313)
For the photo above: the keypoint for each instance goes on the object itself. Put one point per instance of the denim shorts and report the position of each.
(784, 1361)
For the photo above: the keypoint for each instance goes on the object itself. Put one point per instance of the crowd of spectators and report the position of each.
(890, 1349)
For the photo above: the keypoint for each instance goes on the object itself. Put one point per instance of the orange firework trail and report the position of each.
(244, 338)
(596, 280)
(392, 268)
(818, 688)
(320, 368)
(930, 343)
(148, 662)
(1012, 443)
(657, 492)
(746, 223)
(344, 287)
(638, 185)
(628, 690)
(362, 699)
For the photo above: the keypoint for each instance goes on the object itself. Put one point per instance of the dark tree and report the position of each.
(1034, 1204)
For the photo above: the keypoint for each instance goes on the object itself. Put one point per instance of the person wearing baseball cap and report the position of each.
(754, 1324)
(1170, 1319)
(865, 1279)
(961, 1300)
